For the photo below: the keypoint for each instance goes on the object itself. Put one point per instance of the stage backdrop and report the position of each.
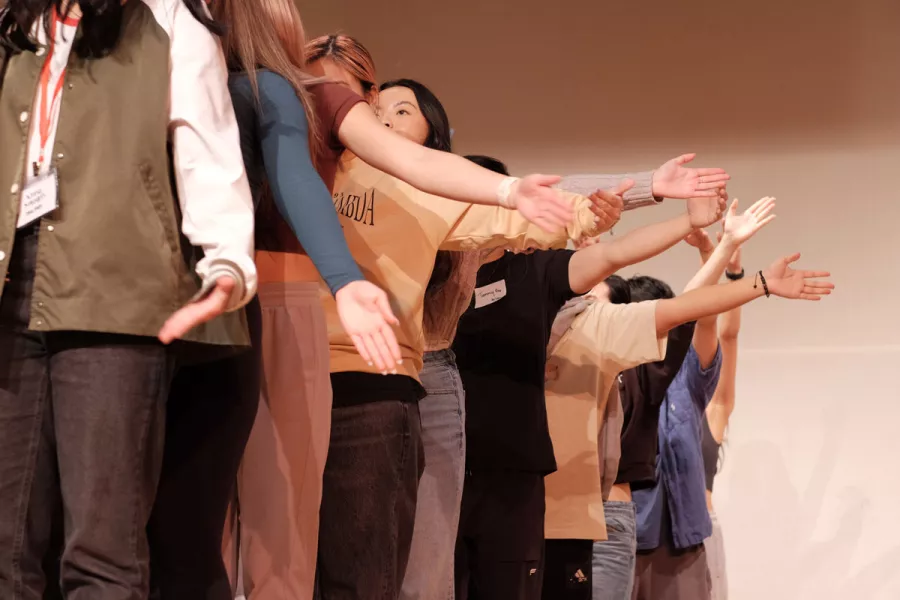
(798, 100)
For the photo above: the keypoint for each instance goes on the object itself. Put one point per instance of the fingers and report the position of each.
(711, 182)
(816, 275)
(686, 158)
(709, 172)
(384, 353)
(792, 258)
(764, 222)
(361, 348)
(732, 210)
(197, 313)
(546, 180)
(762, 207)
(374, 352)
(624, 186)
(390, 339)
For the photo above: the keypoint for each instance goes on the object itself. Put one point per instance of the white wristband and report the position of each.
(503, 191)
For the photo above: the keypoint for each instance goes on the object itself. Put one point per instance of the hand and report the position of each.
(540, 204)
(785, 282)
(737, 229)
(367, 317)
(700, 240)
(607, 205)
(705, 211)
(674, 180)
(196, 313)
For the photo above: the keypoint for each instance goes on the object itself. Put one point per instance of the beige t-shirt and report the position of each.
(394, 232)
(602, 341)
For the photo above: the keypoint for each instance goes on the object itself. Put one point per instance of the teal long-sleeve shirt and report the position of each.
(275, 143)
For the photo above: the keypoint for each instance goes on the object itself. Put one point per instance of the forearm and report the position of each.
(638, 196)
(712, 269)
(725, 391)
(595, 263)
(705, 301)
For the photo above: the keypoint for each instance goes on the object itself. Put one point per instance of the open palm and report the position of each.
(740, 228)
(366, 315)
(540, 204)
(674, 180)
(786, 282)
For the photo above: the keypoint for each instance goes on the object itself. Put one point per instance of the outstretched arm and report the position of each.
(593, 264)
(451, 176)
(779, 278)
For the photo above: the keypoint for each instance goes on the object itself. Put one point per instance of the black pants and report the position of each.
(500, 545)
(81, 434)
(567, 570)
(211, 411)
(369, 491)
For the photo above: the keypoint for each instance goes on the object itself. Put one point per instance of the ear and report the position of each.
(372, 97)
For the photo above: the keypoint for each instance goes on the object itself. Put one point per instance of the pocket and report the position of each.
(162, 205)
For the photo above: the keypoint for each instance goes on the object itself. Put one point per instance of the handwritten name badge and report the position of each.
(40, 197)
(487, 295)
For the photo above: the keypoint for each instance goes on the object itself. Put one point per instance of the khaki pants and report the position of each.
(280, 480)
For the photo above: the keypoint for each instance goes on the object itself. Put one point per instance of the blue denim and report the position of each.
(674, 509)
(613, 565)
(429, 574)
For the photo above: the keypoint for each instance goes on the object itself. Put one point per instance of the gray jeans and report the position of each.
(81, 434)
(715, 557)
(429, 574)
(614, 559)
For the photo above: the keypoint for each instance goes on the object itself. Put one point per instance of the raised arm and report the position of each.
(595, 263)
(779, 280)
(722, 404)
(737, 229)
(451, 176)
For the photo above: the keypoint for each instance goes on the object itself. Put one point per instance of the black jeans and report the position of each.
(375, 460)
(500, 544)
(81, 433)
(211, 411)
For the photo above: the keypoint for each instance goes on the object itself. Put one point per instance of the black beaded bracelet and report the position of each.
(764, 284)
(734, 276)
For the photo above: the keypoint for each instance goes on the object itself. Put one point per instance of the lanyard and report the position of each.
(46, 108)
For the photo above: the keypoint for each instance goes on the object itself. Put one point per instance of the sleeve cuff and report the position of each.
(642, 193)
(242, 270)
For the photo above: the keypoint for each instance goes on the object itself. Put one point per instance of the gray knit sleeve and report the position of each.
(639, 196)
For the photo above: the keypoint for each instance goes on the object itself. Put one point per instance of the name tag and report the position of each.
(487, 295)
(39, 198)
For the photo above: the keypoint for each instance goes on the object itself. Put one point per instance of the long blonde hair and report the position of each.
(268, 34)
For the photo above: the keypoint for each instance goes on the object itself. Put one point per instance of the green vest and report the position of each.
(112, 257)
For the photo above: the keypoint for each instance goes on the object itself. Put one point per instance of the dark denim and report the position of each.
(369, 493)
(81, 434)
(211, 409)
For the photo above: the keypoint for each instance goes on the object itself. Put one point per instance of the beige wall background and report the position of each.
(799, 100)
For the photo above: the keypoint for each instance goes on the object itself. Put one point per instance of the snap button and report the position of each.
(60, 156)
(24, 116)
(2, 255)
(49, 227)
(39, 323)
(14, 189)
(40, 305)
(40, 51)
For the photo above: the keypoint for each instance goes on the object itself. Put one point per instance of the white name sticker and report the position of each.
(487, 295)
(39, 198)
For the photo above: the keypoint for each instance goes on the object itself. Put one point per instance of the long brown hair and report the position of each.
(268, 34)
(346, 52)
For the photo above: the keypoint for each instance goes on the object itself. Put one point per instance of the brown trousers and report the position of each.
(279, 486)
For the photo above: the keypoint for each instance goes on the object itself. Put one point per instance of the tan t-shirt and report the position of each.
(602, 341)
(394, 232)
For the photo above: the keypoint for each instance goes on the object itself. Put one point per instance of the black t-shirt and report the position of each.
(501, 350)
(642, 390)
